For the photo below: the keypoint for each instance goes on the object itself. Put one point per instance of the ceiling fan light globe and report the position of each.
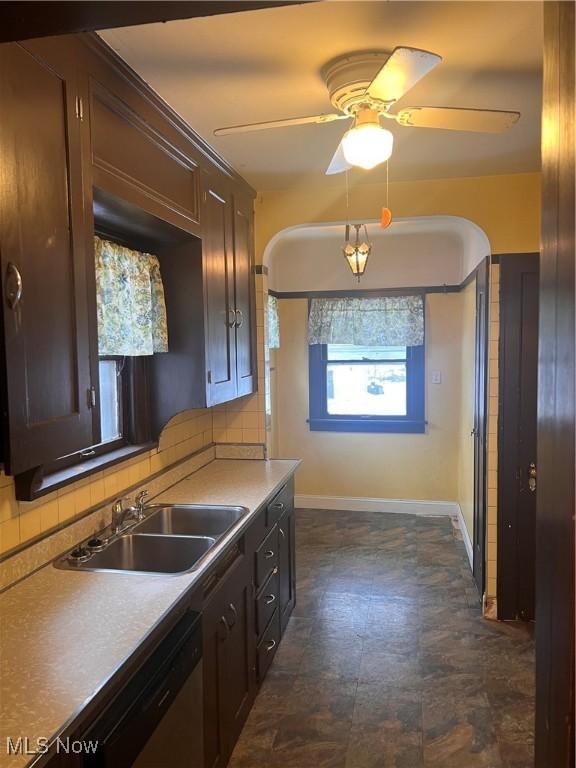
(367, 145)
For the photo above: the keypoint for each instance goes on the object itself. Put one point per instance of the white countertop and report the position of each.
(63, 634)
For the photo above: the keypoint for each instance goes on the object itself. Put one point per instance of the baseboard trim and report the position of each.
(362, 504)
(466, 537)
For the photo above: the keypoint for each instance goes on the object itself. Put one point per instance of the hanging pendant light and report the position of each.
(357, 253)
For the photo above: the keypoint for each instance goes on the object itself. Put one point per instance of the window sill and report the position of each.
(28, 488)
(399, 426)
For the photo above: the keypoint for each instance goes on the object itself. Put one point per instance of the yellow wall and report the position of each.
(373, 465)
(465, 463)
(507, 208)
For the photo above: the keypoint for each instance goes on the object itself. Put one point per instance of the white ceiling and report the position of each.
(265, 65)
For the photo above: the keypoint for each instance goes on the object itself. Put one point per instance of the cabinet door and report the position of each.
(218, 258)
(214, 632)
(43, 257)
(228, 663)
(287, 567)
(239, 687)
(244, 295)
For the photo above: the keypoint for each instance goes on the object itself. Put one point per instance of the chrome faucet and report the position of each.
(139, 503)
(119, 515)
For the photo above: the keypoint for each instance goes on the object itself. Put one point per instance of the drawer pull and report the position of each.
(234, 613)
(275, 571)
(13, 285)
(270, 645)
(282, 533)
(279, 505)
(268, 554)
(226, 627)
(269, 599)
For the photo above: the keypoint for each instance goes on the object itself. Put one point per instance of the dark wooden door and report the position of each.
(287, 566)
(218, 255)
(481, 373)
(244, 299)
(42, 245)
(518, 386)
(556, 409)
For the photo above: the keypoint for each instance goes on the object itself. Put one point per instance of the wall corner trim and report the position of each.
(465, 536)
(363, 504)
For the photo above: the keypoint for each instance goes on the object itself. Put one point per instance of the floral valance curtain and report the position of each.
(383, 321)
(273, 323)
(130, 301)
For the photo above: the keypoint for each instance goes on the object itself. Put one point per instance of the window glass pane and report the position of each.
(366, 389)
(353, 352)
(109, 400)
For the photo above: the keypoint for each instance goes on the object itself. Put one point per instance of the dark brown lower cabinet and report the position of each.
(229, 682)
(242, 625)
(243, 622)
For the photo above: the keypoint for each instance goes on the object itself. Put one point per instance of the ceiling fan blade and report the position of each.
(279, 124)
(338, 164)
(404, 68)
(456, 119)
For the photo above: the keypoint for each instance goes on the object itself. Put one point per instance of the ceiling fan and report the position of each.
(364, 87)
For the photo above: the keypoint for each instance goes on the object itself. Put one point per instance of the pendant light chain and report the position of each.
(387, 188)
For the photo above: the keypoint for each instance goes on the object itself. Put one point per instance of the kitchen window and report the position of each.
(366, 364)
(132, 326)
(366, 388)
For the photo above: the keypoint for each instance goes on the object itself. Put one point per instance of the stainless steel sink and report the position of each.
(150, 554)
(189, 520)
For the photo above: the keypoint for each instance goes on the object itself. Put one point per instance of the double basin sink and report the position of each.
(172, 538)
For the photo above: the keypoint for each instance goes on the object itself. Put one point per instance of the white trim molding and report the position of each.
(465, 537)
(362, 504)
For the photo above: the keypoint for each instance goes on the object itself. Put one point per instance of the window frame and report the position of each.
(321, 421)
(133, 416)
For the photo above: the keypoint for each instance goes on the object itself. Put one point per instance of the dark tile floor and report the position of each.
(387, 662)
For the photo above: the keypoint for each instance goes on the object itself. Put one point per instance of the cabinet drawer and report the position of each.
(279, 504)
(268, 646)
(267, 602)
(266, 557)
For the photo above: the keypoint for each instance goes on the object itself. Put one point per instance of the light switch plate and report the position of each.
(436, 377)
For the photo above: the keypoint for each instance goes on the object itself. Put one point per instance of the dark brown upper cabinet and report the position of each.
(245, 325)
(88, 147)
(134, 160)
(47, 398)
(227, 250)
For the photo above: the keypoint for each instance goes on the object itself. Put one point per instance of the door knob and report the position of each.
(532, 477)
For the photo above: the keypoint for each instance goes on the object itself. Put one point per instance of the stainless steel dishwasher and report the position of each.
(156, 720)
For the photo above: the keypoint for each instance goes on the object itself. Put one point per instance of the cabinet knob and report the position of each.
(269, 599)
(268, 554)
